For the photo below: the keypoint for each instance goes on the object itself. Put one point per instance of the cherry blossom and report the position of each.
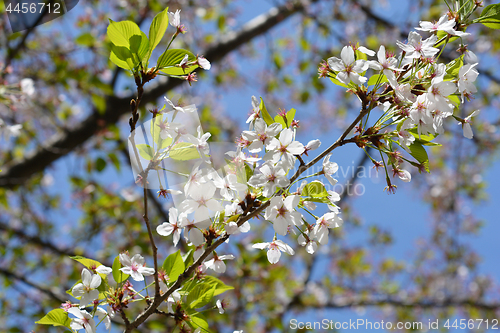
(274, 249)
(261, 135)
(417, 48)
(282, 213)
(329, 169)
(202, 200)
(284, 147)
(270, 177)
(87, 288)
(217, 263)
(83, 320)
(172, 226)
(135, 267)
(325, 222)
(467, 74)
(467, 129)
(348, 67)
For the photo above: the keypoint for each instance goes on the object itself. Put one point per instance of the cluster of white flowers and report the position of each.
(258, 170)
(417, 92)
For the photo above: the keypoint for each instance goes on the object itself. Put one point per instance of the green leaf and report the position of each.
(170, 58)
(418, 151)
(375, 78)
(201, 295)
(188, 258)
(220, 287)
(85, 39)
(56, 317)
(184, 151)
(89, 263)
(122, 57)
(119, 33)
(466, 7)
(490, 16)
(139, 46)
(424, 139)
(146, 151)
(198, 320)
(265, 115)
(290, 116)
(118, 275)
(174, 266)
(157, 30)
(314, 189)
(454, 66)
(100, 164)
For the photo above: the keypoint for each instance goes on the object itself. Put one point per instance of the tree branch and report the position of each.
(18, 171)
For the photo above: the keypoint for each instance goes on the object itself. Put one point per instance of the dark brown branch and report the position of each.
(18, 171)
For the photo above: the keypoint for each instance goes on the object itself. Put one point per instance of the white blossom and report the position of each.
(135, 267)
(87, 289)
(274, 249)
(348, 67)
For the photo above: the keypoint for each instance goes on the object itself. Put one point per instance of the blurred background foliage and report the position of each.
(67, 189)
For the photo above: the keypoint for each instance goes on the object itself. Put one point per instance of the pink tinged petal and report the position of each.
(204, 63)
(136, 275)
(196, 237)
(125, 259)
(104, 269)
(214, 205)
(280, 225)
(96, 281)
(260, 246)
(467, 129)
(347, 55)
(126, 270)
(226, 257)
(219, 266)
(245, 227)
(366, 51)
(311, 247)
(286, 137)
(86, 277)
(165, 229)
(284, 247)
(343, 77)
(75, 312)
(273, 255)
(137, 258)
(360, 66)
(336, 64)
(146, 271)
(381, 54)
(296, 148)
(274, 129)
(78, 290)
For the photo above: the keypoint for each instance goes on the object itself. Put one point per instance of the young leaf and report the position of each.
(139, 46)
(380, 78)
(122, 57)
(89, 263)
(200, 295)
(170, 58)
(265, 115)
(146, 151)
(418, 151)
(490, 16)
(157, 30)
(56, 317)
(118, 275)
(198, 320)
(119, 33)
(220, 287)
(174, 266)
(184, 151)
